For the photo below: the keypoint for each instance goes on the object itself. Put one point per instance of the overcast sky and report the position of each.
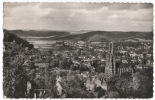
(79, 16)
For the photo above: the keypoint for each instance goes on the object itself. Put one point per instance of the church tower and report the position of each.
(110, 61)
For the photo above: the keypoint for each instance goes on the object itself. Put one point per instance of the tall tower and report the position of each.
(144, 60)
(110, 61)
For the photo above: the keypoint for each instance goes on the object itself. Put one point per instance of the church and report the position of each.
(112, 66)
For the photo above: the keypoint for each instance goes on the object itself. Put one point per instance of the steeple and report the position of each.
(110, 61)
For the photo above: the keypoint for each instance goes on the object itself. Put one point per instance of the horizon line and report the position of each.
(70, 30)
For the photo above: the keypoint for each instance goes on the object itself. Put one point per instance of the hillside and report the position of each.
(96, 36)
(37, 33)
(104, 35)
(101, 38)
(9, 37)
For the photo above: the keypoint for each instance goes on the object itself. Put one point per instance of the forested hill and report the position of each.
(9, 37)
(38, 33)
(103, 36)
(108, 36)
(91, 36)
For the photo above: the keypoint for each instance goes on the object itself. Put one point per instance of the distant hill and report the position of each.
(103, 36)
(140, 37)
(115, 36)
(37, 33)
(93, 36)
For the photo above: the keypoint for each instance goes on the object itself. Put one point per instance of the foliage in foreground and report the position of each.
(136, 85)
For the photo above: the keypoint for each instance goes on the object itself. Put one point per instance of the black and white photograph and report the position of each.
(77, 50)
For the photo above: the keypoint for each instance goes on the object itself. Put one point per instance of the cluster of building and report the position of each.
(97, 57)
(128, 59)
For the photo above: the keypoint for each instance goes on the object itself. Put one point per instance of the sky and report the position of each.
(78, 16)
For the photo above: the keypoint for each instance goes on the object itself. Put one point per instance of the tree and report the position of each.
(124, 85)
(95, 64)
(138, 85)
(54, 63)
(12, 78)
(74, 87)
(143, 83)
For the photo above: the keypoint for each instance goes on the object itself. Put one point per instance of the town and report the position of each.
(75, 69)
